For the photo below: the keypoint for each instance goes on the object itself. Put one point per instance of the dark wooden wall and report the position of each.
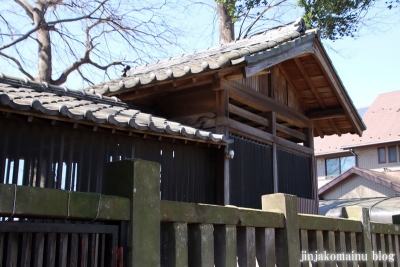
(43, 155)
(294, 174)
(250, 173)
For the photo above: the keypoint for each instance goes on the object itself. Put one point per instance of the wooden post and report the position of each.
(287, 238)
(362, 214)
(221, 108)
(225, 244)
(271, 116)
(139, 180)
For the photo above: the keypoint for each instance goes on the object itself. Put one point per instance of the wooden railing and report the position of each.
(167, 233)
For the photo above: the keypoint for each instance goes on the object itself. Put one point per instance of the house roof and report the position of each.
(257, 47)
(382, 178)
(296, 51)
(25, 96)
(382, 119)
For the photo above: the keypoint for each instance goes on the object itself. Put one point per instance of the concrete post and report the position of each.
(287, 238)
(138, 180)
(362, 214)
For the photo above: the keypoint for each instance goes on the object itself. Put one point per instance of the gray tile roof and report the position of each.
(252, 49)
(24, 95)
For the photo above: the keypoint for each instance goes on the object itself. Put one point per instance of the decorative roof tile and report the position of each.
(23, 95)
(254, 48)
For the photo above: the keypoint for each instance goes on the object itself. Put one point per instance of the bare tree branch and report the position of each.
(26, 35)
(260, 16)
(20, 68)
(27, 7)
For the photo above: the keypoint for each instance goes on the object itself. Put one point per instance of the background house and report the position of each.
(378, 149)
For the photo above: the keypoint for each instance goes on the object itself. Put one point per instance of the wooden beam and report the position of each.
(171, 87)
(318, 129)
(264, 103)
(240, 128)
(235, 75)
(257, 63)
(326, 114)
(289, 81)
(248, 115)
(290, 131)
(309, 82)
(336, 129)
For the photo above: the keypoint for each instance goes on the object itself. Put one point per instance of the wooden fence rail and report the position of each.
(168, 233)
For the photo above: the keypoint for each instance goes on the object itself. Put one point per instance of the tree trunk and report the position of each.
(226, 29)
(44, 44)
(44, 64)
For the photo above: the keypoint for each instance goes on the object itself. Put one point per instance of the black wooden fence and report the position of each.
(62, 157)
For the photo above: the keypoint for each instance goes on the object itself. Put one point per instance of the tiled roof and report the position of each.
(255, 48)
(382, 178)
(24, 95)
(382, 121)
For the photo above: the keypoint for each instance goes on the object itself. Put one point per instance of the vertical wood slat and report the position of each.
(320, 245)
(383, 248)
(375, 246)
(25, 257)
(201, 245)
(396, 244)
(51, 249)
(74, 250)
(225, 244)
(63, 250)
(12, 249)
(2, 240)
(93, 247)
(246, 246)
(304, 246)
(60, 163)
(340, 238)
(353, 248)
(390, 248)
(39, 250)
(174, 251)
(84, 245)
(265, 247)
(4, 140)
(329, 245)
(49, 173)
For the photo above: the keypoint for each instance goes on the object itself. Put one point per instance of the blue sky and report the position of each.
(368, 66)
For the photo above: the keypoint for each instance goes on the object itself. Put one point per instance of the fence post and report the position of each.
(287, 238)
(362, 214)
(138, 180)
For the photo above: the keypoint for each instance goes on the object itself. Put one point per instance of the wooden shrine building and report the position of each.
(270, 94)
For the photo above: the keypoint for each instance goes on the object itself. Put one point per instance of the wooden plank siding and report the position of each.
(61, 157)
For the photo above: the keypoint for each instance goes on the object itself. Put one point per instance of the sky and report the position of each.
(369, 65)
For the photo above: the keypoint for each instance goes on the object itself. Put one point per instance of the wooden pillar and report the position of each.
(362, 214)
(272, 130)
(309, 132)
(222, 102)
(138, 180)
(287, 238)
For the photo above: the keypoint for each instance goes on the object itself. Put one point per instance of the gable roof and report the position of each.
(382, 119)
(255, 48)
(382, 178)
(58, 103)
(298, 53)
